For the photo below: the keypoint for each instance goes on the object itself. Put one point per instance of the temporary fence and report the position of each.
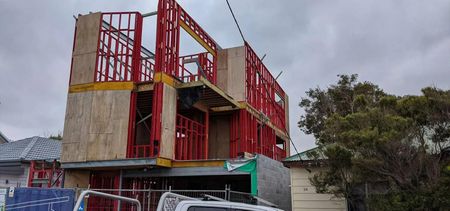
(149, 198)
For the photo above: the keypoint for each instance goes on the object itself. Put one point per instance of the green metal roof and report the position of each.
(311, 154)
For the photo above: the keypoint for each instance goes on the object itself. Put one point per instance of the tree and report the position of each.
(371, 137)
(58, 136)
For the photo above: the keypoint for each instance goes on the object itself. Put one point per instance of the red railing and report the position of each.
(203, 67)
(262, 90)
(147, 69)
(279, 153)
(191, 141)
(142, 151)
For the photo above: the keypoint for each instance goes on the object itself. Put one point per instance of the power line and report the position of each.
(242, 35)
(237, 24)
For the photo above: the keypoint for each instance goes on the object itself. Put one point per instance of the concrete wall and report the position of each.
(231, 72)
(17, 179)
(96, 126)
(304, 196)
(273, 182)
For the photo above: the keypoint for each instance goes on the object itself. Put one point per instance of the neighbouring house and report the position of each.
(303, 194)
(3, 138)
(30, 162)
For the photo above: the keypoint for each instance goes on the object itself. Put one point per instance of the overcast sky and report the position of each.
(400, 45)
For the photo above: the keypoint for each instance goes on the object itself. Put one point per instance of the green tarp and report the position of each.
(249, 166)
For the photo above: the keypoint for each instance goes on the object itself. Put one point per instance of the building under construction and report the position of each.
(140, 119)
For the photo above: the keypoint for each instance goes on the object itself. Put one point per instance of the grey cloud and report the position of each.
(400, 45)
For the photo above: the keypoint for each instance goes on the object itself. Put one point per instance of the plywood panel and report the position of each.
(76, 127)
(76, 179)
(83, 68)
(85, 49)
(109, 125)
(231, 72)
(236, 73)
(96, 126)
(168, 119)
(87, 33)
(219, 137)
(222, 69)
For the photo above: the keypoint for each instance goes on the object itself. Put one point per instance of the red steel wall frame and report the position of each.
(167, 60)
(248, 134)
(191, 139)
(204, 63)
(171, 17)
(119, 47)
(262, 89)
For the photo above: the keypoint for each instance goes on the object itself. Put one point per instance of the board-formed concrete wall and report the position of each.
(273, 182)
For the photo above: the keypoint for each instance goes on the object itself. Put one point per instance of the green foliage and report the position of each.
(370, 137)
(56, 137)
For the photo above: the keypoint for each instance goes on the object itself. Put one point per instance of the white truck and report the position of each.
(175, 202)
